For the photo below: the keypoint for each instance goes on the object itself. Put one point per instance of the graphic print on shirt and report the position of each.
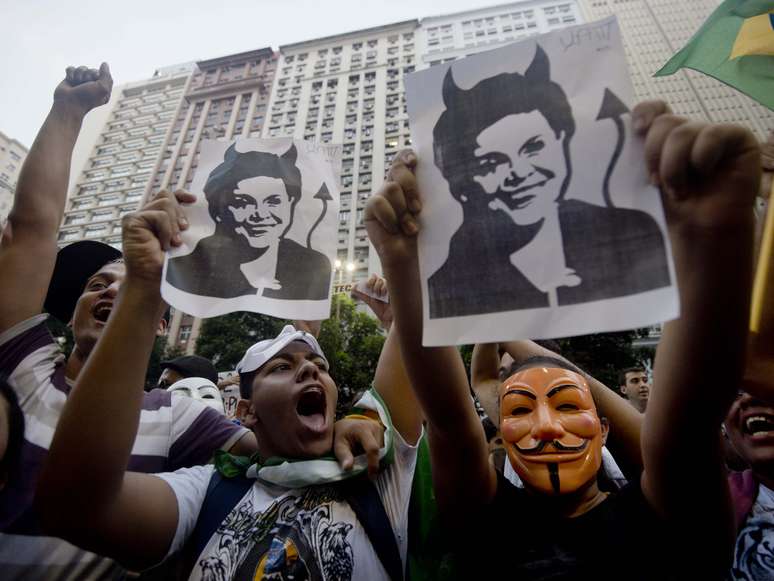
(294, 538)
(754, 553)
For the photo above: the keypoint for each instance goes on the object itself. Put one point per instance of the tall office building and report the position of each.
(653, 30)
(116, 174)
(451, 36)
(12, 154)
(348, 89)
(226, 98)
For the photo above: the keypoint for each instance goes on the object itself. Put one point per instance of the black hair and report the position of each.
(246, 384)
(468, 112)
(548, 362)
(623, 372)
(237, 166)
(10, 461)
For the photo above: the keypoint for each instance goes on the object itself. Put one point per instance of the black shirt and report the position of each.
(621, 538)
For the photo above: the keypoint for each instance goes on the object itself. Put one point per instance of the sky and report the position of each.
(40, 38)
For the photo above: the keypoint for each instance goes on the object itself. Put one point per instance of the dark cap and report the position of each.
(192, 366)
(75, 264)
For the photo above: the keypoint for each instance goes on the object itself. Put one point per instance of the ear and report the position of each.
(290, 155)
(539, 70)
(605, 425)
(450, 90)
(162, 330)
(245, 413)
(231, 153)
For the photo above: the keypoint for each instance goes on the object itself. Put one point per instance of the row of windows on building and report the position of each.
(235, 72)
(355, 46)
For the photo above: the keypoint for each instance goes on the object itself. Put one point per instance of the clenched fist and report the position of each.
(84, 88)
(391, 213)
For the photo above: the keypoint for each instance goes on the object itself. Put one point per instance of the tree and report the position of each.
(603, 355)
(224, 340)
(352, 342)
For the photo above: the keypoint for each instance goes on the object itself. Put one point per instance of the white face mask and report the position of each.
(201, 389)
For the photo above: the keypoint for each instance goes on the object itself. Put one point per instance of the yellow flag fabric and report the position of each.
(756, 36)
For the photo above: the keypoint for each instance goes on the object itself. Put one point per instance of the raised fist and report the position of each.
(151, 231)
(709, 174)
(391, 213)
(85, 88)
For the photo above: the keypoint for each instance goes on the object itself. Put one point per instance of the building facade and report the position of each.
(451, 36)
(117, 173)
(226, 98)
(348, 89)
(12, 154)
(654, 30)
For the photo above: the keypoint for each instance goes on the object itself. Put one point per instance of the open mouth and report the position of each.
(312, 407)
(759, 424)
(102, 312)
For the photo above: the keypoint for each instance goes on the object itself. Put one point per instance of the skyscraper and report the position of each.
(117, 172)
(653, 30)
(12, 154)
(226, 98)
(451, 36)
(348, 89)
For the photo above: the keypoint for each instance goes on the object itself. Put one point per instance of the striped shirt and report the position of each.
(173, 433)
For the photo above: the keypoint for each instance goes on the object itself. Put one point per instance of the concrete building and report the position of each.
(116, 174)
(12, 154)
(450, 36)
(348, 89)
(653, 30)
(226, 98)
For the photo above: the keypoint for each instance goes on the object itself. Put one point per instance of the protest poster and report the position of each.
(262, 231)
(538, 219)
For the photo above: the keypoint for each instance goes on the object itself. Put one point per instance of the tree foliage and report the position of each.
(352, 342)
(603, 355)
(224, 340)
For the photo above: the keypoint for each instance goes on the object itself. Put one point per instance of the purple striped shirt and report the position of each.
(173, 432)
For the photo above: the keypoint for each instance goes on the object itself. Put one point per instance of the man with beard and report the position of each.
(503, 146)
(562, 525)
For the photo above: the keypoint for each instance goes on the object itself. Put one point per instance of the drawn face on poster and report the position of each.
(266, 239)
(516, 224)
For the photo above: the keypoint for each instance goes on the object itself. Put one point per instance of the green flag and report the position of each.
(735, 46)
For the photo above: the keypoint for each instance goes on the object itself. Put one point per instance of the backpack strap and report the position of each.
(363, 497)
(221, 497)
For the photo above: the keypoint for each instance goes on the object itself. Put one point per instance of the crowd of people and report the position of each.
(528, 468)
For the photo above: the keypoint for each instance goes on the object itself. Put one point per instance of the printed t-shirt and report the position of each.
(308, 533)
(617, 539)
(754, 551)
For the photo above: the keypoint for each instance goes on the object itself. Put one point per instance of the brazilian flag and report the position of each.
(736, 46)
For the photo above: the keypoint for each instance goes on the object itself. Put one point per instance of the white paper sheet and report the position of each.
(262, 233)
(538, 220)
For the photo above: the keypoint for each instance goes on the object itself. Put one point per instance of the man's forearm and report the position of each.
(436, 373)
(102, 413)
(42, 188)
(700, 356)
